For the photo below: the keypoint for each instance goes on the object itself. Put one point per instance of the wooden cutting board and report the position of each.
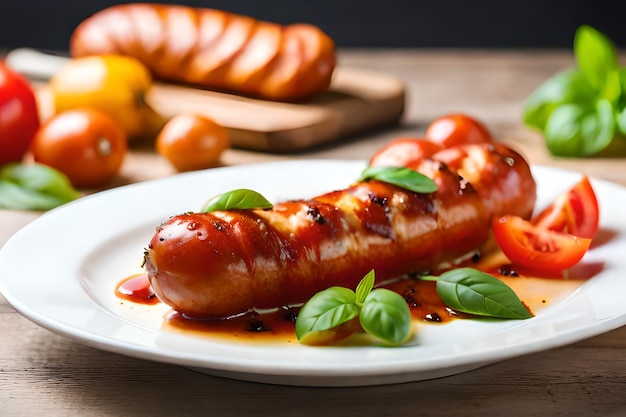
(357, 100)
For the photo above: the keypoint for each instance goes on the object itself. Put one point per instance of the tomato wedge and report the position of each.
(402, 152)
(575, 212)
(536, 248)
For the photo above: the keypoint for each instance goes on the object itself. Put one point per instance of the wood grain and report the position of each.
(45, 374)
(357, 101)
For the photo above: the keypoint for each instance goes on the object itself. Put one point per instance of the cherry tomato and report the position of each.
(575, 211)
(85, 144)
(457, 129)
(190, 141)
(404, 152)
(535, 248)
(19, 119)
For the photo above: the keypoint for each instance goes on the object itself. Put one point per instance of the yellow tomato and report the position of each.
(114, 84)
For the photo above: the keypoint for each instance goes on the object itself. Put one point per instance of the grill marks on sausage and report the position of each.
(213, 48)
(240, 260)
(319, 238)
(314, 213)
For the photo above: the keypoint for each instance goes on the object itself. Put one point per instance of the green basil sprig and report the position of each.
(241, 198)
(381, 313)
(582, 111)
(402, 177)
(34, 187)
(474, 292)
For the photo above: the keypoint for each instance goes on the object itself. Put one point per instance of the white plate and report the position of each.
(60, 271)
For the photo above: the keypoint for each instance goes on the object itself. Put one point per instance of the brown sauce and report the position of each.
(136, 288)
(426, 306)
(276, 325)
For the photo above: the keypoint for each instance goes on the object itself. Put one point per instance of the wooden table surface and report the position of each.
(45, 374)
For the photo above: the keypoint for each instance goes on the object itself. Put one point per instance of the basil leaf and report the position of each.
(595, 55)
(386, 316)
(568, 86)
(471, 291)
(402, 177)
(14, 197)
(241, 198)
(325, 310)
(365, 287)
(382, 313)
(599, 128)
(581, 110)
(34, 187)
(620, 109)
(563, 130)
(620, 120)
(611, 89)
(575, 130)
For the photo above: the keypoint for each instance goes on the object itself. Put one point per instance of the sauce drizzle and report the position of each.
(136, 288)
(425, 304)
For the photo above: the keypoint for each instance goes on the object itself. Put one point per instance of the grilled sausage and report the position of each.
(213, 49)
(223, 263)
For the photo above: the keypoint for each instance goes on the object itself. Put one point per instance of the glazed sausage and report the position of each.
(503, 181)
(213, 49)
(223, 263)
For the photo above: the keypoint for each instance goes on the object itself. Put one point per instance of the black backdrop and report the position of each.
(47, 24)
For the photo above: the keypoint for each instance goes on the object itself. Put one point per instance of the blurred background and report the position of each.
(48, 24)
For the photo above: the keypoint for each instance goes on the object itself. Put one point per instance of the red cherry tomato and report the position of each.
(575, 211)
(404, 152)
(535, 248)
(457, 129)
(85, 144)
(192, 141)
(19, 119)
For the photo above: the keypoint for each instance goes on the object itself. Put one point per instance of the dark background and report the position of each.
(47, 24)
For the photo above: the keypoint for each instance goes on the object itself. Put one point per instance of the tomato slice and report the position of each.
(404, 151)
(530, 246)
(575, 211)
